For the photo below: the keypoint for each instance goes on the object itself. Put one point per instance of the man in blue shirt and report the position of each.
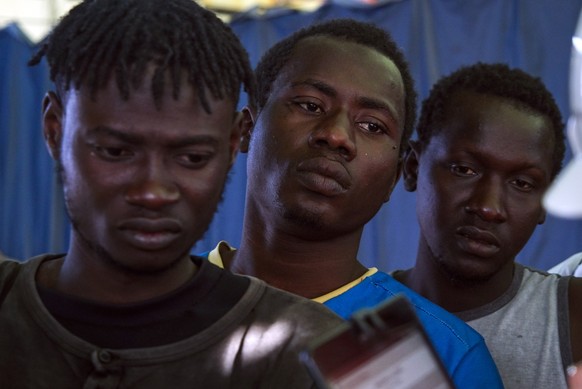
(325, 140)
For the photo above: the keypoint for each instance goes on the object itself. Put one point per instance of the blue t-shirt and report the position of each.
(461, 348)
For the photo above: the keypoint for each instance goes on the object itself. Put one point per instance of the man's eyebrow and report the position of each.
(365, 102)
(115, 133)
(184, 141)
(193, 141)
(371, 103)
(319, 85)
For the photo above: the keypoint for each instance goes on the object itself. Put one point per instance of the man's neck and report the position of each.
(432, 283)
(309, 268)
(97, 281)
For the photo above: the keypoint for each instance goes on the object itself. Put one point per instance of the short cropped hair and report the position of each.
(499, 80)
(348, 30)
(101, 39)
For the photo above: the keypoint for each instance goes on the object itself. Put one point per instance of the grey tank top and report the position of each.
(527, 330)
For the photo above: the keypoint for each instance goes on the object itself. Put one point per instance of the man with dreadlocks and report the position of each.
(143, 130)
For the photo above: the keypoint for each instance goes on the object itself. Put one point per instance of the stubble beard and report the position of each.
(458, 277)
(302, 217)
(105, 255)
(109, 259)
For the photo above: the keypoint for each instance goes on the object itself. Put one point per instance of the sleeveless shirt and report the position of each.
(527, 330)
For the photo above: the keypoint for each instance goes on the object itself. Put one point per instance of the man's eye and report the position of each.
(523, 185)
(373, 128)
(462, 170)
(310, 107)
(194, 160)
(113, 153)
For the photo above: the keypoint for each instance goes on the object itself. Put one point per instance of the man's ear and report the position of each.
(248, 122)
(395, 180)
(52, 123)
(410, 166)
(542, 218)
(235, 137)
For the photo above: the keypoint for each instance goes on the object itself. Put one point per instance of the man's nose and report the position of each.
(153, 186)
(337, 134)
(487, 201)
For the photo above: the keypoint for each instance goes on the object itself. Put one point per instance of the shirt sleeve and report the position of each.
(477, 370)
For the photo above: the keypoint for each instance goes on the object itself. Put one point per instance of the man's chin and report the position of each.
(467, 276)
(146, 264)
(303, 218)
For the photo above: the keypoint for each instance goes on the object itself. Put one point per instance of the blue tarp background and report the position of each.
(437, 36)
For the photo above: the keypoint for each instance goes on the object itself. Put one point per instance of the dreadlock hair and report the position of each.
(523, 89)
(101, 39)
(348, 30)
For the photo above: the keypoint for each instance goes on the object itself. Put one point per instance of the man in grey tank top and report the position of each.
(490, 141)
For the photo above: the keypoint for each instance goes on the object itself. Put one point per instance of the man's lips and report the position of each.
(150, 234)
(324, 175)
(151, 225)
(477, 241)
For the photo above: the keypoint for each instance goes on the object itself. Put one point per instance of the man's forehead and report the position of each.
(146, 92)
(309, 53)
(315, 63)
